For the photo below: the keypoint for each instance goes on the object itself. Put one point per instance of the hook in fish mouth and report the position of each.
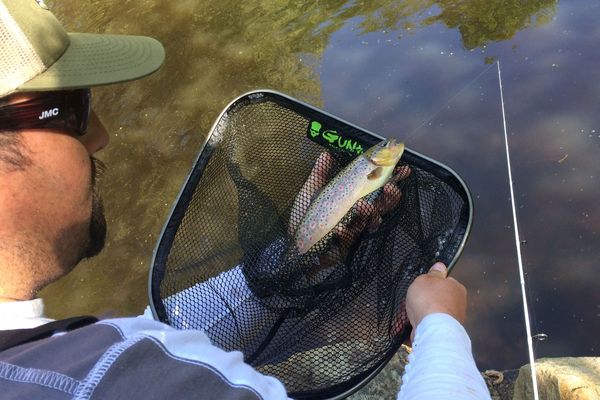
(388, 142)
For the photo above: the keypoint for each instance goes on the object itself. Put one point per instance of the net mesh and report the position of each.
(323, 321)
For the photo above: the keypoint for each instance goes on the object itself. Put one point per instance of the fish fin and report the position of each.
(375, 174)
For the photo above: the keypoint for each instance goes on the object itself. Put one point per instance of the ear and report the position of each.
(375, 174)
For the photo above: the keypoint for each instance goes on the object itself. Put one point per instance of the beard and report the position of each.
(97, 231)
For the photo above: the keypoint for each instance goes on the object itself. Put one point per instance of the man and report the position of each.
(51, 218)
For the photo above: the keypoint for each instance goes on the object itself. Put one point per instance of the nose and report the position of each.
(96, 137)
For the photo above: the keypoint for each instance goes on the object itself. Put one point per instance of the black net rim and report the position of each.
(178, 210)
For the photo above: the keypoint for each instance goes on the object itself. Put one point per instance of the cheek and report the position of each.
(73, 183)
(65, 181)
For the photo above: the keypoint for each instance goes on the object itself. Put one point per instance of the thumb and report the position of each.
(438, 269)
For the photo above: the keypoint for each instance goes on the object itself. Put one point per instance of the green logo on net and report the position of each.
(334, 138)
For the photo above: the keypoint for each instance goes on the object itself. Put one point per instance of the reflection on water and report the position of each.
(387, 66)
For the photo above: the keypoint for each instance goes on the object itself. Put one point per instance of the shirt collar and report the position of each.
(24, 309)
(22, 314)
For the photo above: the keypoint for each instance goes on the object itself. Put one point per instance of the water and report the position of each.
(401, 69)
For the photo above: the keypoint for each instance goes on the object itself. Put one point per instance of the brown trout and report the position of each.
(365, 174)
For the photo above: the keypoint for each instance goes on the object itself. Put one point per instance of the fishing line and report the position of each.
(518, 245)
(445, 105)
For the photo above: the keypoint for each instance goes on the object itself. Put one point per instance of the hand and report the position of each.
(435, 293)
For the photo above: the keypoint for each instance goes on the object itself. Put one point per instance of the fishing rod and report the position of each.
(518, 246)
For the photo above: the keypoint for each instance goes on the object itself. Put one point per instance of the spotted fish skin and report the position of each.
(365, 174)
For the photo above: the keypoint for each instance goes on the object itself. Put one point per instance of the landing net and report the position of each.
(326, 321)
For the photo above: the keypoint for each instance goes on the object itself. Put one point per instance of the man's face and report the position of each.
(58, 193)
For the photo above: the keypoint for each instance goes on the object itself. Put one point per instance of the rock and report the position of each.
(387, 383)
(566, 378)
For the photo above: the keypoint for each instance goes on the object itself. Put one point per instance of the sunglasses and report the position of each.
(67, 110)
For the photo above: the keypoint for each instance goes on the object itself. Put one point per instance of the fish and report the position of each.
(365, 174)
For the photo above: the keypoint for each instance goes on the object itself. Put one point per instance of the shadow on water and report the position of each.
(386, 66)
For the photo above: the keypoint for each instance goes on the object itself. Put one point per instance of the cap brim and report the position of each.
(94, 60)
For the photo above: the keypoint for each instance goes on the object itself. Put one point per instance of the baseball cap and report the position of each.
(37, 54)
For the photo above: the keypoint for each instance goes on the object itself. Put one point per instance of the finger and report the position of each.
(400, 173)
(315, 181)
(318, 175)
(383, 204)
(348, 232)
(390, 196)
(389, 199)
(438, 269)
(364, 210)
(321, 169)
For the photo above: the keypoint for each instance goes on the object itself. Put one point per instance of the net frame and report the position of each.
(167, 237)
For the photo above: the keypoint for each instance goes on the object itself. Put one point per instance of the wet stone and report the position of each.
(568, 378)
